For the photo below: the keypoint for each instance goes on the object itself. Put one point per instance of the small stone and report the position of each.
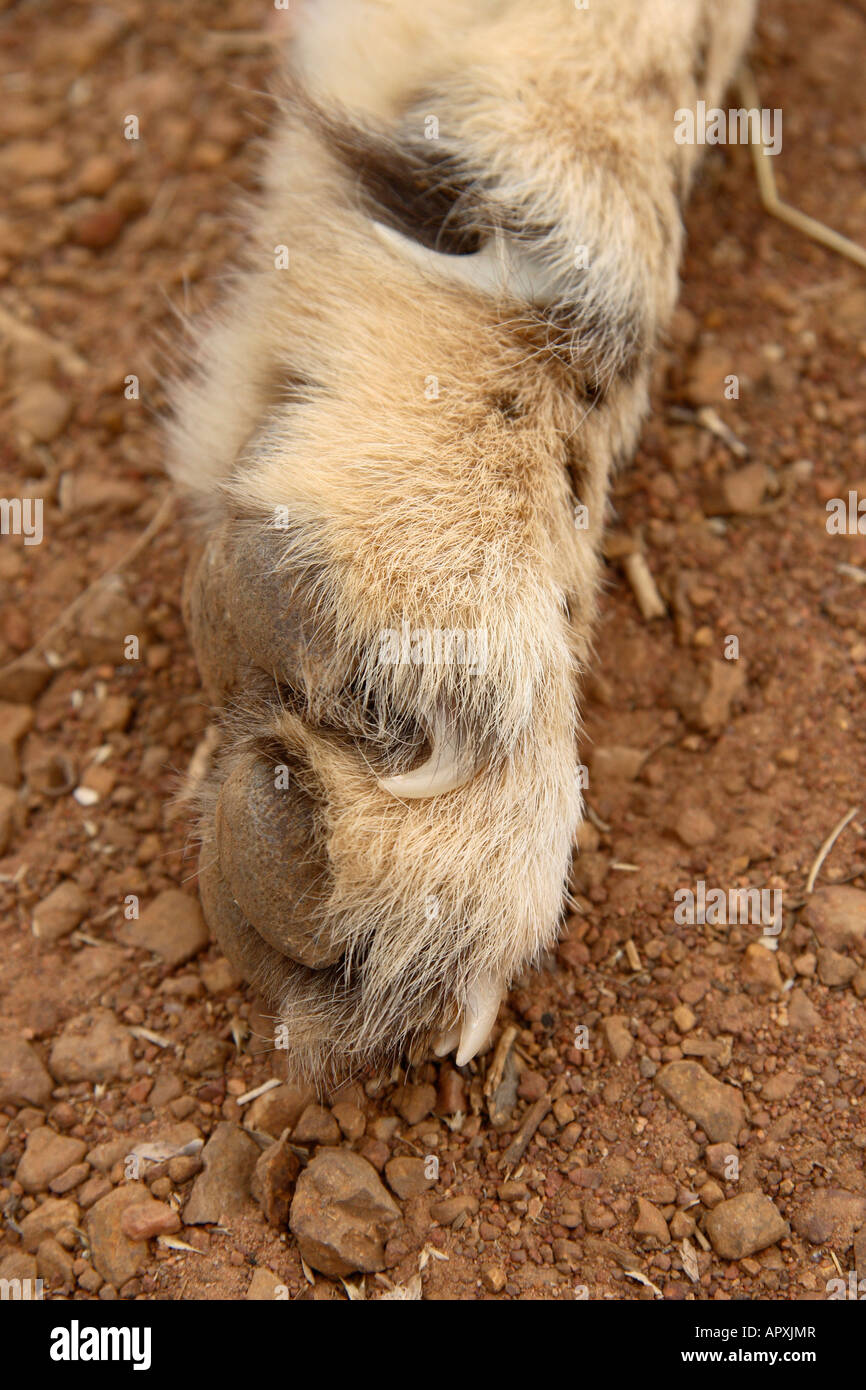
(407, 1177)
(92, 1047)
(100, 228)
(493, 1278)
(69, 1179)
(744, 1225)
(682, 1225)
(97, 175)
(264, 1286)
(705, 694)
(116, 1256)
(617, 1036)
(11, 816)
(47, 1154)
(831, 1215)
(41, 411)
(206, 1055)
(739, 493)
(802, 1014)
(710, 1193)
(451, 1092)
(449, 1209)
(780, 1086)
(834, 969)
(717, 1108)
(350, 1118)
(273, 1181)
(172, 926)
(221, 1191)
(759, 970)
(614, 763)
(61, 912)
(144, 1220)
(23, 1078)
(278, 1109)
(708, 370)
(414, 1103)
(694, 827)
(341, 1214)
(837, 915)
(650, 1226)
(219, 976)
(55, 1214)
(54, 1265)
(114, 714)
(316, 1126)
(684, 1018)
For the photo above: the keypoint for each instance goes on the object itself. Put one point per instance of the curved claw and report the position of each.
(450, 765)
(502, 265)
(482, 1006)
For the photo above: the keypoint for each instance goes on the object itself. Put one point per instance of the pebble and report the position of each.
(61, 912)
(719, 1109)
(759, 970)
(617, 1036)
(451, 1092)
(221, 1191)
(708, 369)
(704, 694)
(264, 1286)
(414, 1103)
(149, 1218)
(92, 1047)
(802, 1014)
(206, 1055)
(739, 493)
(46, 1156)
(69, 1179)
(341, 1214)
(493, 1278)
(273, 1181)
(449, 1209)
(744, 1224)
(278, 1109)
(219, 976)
(99, 228)
(11, 816)
(316, 1126)
(837, 915)
(650, 1226)
(23, 1078)
(350, 1118)
(694, 827)
(172, 926)
(615, 763)
(41, 411)
(97, 175)
(831, 1215)
(116, 1256)
(407, 1177)
(54, 1264)
(55, 1214)
(834, 968)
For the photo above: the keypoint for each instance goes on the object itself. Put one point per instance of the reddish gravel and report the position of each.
(653, 1051)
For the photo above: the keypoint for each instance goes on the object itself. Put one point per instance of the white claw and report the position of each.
(450, 765)
(503, 265)
(482, 1006)
(444, 1043)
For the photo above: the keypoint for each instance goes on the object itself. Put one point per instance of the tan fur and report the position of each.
(447, 513)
